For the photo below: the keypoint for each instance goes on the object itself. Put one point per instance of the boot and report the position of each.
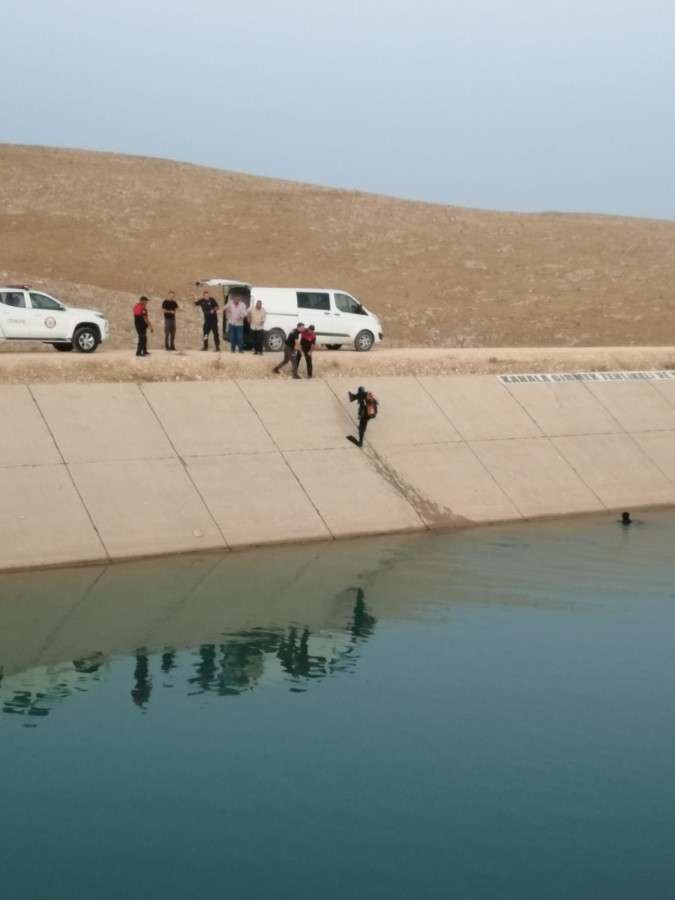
(206, 345)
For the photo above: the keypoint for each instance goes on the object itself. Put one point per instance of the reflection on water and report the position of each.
(484, 715)
(294, 654)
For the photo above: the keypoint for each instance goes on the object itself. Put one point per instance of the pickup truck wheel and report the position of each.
(364, 341)
(64, 348)
(86, 339)
(274, 340)
(333, 346)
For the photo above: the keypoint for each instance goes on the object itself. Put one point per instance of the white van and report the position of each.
(337, 317)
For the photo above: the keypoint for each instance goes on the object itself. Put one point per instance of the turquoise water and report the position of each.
(480, 715)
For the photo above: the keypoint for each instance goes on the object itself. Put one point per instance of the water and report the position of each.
(480, 715)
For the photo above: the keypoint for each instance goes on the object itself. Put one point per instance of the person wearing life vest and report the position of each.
(367, 411)
(141, 324)
(307, 344)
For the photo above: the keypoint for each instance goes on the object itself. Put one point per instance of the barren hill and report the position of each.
(102, 228)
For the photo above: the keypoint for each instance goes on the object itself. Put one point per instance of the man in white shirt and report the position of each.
(235, 312)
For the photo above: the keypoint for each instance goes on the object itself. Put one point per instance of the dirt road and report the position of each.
(47, 366)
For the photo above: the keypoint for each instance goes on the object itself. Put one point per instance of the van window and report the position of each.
(313, 300)
(347, 304)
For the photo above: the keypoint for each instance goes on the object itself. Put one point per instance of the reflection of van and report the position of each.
(337, 317)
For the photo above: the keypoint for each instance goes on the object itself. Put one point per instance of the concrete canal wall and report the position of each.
(106, 472)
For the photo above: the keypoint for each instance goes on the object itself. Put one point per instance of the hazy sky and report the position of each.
(500, 104)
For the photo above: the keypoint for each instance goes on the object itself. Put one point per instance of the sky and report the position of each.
(523, 105)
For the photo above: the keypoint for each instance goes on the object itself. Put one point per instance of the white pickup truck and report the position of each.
(28, 315)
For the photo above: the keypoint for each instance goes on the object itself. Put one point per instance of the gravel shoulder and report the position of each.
(46, 366)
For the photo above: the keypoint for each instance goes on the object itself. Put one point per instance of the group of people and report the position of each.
(300, 342)
(235, 314)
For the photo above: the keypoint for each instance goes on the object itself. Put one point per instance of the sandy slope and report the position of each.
(100, 229)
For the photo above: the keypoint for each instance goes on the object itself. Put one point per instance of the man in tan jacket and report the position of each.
(256, 319)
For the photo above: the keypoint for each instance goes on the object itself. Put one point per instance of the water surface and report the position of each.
(487, 714)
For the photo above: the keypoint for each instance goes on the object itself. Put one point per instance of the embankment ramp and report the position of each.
(106, 472)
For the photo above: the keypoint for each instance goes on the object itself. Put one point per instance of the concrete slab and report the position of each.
(256, 499)
(617, 470)
(666, 389)
(349, 492)
(207, 418)
(28, 441)
(407, 414)
(43, 521)
(660, 448)
(446, 483)
(299, 415)
(146, 510)
(564, 408)
(636, 405)
(96, 422)
(536, 478)
(480, 407)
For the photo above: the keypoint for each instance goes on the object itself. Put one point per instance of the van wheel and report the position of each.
(333, 346)
(274, 340)
(86, 339)
(64, 348)
(364, 340)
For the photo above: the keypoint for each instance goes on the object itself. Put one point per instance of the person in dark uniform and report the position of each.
(291, 351)
(141, 324)
(367, 410)
(209, 308)
(169, 307)
(307, 344)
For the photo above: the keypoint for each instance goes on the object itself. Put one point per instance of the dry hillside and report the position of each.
(98, 228)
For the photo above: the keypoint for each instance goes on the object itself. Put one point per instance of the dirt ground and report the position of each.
(99, 229)
(108, 365)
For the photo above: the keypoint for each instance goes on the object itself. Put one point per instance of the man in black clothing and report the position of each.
(169, 307)
(367, 410)
(209, 308)
(291, 351)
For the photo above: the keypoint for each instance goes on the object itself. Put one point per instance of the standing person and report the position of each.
(367, 411)
(291, 348)
(209, 308)
(235, 311)
(142, 323)
(307, 344)
(256, 319)
(169, 307)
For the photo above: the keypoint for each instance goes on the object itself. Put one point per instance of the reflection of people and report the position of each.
(363, 623)
(169, 307)
(209, 309)
(142, 323)
(367, 411)
(294, 653)
(140, 692)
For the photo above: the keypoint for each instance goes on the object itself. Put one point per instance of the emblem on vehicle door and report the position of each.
(50, 321)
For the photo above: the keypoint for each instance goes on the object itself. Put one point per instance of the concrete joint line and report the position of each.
(104, 549)
(473, 452)
(283, 456)
(182, 462)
